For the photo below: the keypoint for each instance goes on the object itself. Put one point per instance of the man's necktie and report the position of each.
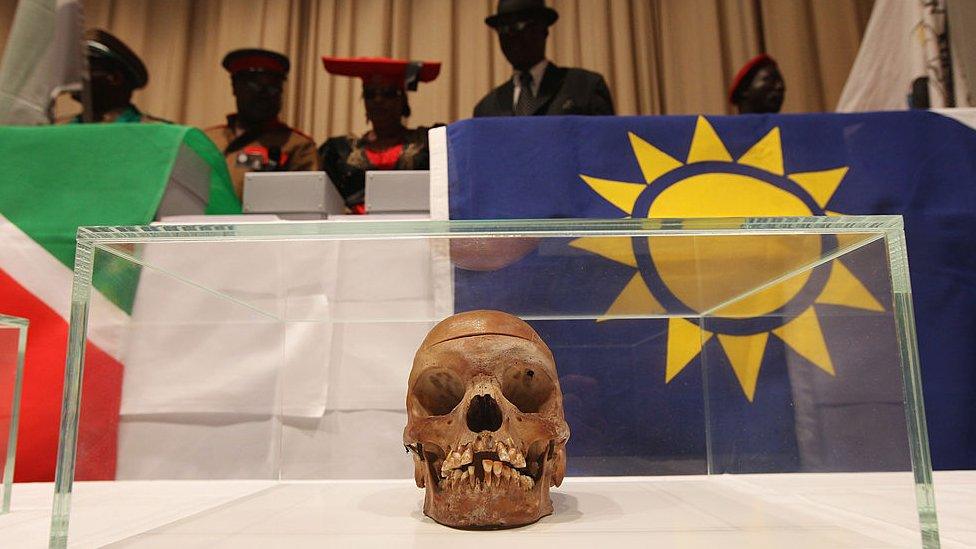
(526, 101)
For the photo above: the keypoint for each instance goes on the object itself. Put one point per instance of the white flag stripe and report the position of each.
(43, 275)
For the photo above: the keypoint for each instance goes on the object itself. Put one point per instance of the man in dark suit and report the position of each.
(538, 87)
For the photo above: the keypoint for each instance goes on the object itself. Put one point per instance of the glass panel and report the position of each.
(814, 384)
(279, 354)
(13, 346)
(191, 357)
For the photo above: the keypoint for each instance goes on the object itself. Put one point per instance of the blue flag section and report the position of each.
(749, 395)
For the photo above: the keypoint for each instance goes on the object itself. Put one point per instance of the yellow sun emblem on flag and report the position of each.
(722, 277)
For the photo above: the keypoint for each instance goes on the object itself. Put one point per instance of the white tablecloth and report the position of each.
(798, 511)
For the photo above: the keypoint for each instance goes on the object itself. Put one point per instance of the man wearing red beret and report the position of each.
(253, 138)
(758, 87)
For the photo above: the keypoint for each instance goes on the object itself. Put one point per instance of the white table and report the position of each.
(797, 511)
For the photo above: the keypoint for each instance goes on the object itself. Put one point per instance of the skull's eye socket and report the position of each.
(439, 391)
(527, 387)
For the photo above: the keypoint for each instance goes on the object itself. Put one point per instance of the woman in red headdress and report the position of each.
(389, 144)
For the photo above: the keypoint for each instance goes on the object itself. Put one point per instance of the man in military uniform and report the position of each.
(253, 138)
(115, 72)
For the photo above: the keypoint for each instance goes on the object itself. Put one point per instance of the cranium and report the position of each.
(485, 422)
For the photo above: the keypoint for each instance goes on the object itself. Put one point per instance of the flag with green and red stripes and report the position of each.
(54, 180)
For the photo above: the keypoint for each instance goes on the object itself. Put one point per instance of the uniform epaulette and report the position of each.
(303, 134)
(151, 118)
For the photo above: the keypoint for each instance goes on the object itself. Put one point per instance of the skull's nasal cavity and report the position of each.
(484, 414)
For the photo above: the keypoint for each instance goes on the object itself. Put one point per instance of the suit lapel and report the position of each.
(506, 97)
(552, 80)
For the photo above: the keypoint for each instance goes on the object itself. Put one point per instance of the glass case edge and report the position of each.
(13, 321)
(8, 468)
(912, 387)
(898, 260)
(476, 228)
(71, 399)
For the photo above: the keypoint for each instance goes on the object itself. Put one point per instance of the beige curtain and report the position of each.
(659, 56)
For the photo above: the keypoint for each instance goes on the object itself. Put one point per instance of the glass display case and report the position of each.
(13, 346)
(728, 381)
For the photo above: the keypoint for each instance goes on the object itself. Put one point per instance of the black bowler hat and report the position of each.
(533, 8)
(103, 45)
(256, 60)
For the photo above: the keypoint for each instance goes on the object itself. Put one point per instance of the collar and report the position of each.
(537, 71)
(268, 126)
(128, 114)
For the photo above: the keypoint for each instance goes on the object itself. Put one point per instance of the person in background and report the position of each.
(115, 71)
(389, 144)
(758, 87)
(538, 87)
(253, 139)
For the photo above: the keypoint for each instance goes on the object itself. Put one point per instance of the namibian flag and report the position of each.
(920, 165)
(54, 180)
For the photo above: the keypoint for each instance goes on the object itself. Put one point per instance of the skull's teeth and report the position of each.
(518, 460)
(458, 467)
(502, 452)
(497, 475)
(452, 461)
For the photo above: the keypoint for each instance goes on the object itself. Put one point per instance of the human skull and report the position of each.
(485, 423)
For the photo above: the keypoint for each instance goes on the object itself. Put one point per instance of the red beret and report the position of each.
(253, 59)
(389, 71)
(755, 63)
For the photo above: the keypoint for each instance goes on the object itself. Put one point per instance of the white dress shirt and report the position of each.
(536, 71)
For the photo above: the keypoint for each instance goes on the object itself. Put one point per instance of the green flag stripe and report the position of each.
(58, 178)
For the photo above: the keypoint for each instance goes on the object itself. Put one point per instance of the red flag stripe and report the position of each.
(37, 445)
(36, 286)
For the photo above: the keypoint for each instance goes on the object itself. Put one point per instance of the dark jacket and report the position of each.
(562, 91)
(344, 159)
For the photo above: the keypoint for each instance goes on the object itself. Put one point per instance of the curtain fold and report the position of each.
(658, 56)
